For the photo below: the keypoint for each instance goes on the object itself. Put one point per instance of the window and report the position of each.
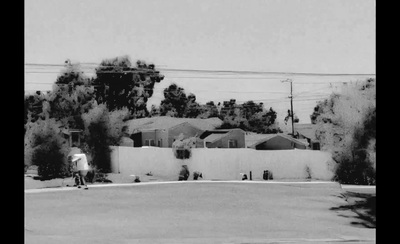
(159, 143)
(316, 146)
(232, 144)
(149, 142)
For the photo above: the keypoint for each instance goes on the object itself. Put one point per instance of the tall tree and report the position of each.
(264, 122)
(345, 127)
(119, 85)
(193, 109)
(208, 110)
(174, 102)
(248, 116)
(72, 95)
(73, 75)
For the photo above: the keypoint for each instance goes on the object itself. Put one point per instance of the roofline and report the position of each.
(225, 134)
(186, 122)
(168, 128)
(275, 135)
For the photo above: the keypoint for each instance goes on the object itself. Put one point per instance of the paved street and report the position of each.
(195, 212)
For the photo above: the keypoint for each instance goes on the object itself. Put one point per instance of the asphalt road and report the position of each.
(194, 212)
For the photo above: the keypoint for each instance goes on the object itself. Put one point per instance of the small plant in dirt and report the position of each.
(308, 173)
(270, 176)
(101, 177)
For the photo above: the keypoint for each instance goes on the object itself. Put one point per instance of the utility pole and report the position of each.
(291, 103)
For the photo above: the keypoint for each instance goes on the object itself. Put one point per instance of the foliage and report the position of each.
(72, 104)
(103, 129)
(69, 103)
(177, 104)
(208, 110)
(357, 171)
(308, 172)
(248, 116)
(182, 146)
(72, 75)
(33, 107)
(174, 102)
(46, 148)
(346, 127)
(193, 109)
(154, 111)
(119, 85)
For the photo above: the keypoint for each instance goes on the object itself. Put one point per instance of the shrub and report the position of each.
(357, 172)
(182, 147)
(46, 148)
(50, 161)
(308, 173)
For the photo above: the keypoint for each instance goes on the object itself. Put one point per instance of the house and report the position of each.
(225, 138)
(277, 142)
(163, 131)
(307, 132)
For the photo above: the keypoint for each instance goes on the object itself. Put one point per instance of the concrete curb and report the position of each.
(55, 189)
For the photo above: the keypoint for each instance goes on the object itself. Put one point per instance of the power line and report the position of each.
(218, 71)
(194, 90)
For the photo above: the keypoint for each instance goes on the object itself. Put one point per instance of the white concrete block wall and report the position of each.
(226, 164)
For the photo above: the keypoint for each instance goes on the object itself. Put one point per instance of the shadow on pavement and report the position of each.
(364, 205)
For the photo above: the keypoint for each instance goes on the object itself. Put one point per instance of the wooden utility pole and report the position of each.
(291, 103)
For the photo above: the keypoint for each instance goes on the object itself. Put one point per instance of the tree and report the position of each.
(102, 129)
(154, 111)
(264, 122)
(46, 148)
(193, 109)
(232, 116)
(118, 84)
(67, 104)
(174, 102)
(72, 75)
(208, 110)
(346, 128)
(248, 116)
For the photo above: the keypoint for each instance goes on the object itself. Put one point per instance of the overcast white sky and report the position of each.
(310, 36)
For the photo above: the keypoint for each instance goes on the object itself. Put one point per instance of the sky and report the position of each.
(287, 36)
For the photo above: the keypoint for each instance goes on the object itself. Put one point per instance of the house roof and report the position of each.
(251, 138)
(268, 137)
(214, 137)
(307, 130)
(206, 133)
(217, 134)
(166, 122)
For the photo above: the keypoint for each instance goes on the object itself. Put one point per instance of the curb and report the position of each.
(55, 189)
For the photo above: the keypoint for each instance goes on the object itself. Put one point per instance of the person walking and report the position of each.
(82, 168)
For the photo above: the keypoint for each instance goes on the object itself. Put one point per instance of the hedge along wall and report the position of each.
(224, 164)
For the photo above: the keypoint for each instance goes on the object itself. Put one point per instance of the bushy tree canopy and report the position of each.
(119, 85)
(346, 127)
(248, 116)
